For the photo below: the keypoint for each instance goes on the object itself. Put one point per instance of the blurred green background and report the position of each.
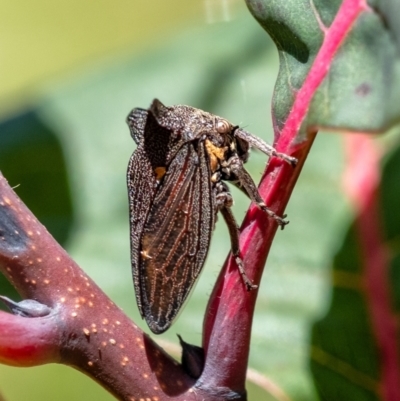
(71, 72)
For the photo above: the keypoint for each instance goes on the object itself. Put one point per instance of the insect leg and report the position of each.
(235, 165)
(224, 202)
(263, 146)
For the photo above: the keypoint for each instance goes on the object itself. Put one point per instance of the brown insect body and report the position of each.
(175, 187)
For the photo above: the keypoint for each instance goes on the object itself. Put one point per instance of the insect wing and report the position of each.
(141, 191)
(176, 236)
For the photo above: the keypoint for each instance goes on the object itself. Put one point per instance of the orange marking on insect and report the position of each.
(215, 154)
(145, 255)
(160, 172)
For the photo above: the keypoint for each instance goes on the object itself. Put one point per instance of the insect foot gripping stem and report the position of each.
(176, 186)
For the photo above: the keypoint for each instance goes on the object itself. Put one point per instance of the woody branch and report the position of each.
(82, 328)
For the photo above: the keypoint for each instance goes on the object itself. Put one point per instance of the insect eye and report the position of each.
(223, 127)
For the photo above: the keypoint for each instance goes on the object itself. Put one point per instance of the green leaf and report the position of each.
(354, 347)
(32, 159)
(339, 62)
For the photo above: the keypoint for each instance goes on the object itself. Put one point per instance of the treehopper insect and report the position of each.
(176, 186)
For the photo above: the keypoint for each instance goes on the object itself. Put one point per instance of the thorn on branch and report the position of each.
(192, 358)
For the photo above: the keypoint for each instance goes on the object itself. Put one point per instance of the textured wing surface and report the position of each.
(141, 191)
(176, 236)
(155, 146)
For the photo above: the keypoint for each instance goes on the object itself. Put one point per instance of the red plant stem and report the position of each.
(227, 324)
(362, 183)
(19, 345)
(228, 320)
